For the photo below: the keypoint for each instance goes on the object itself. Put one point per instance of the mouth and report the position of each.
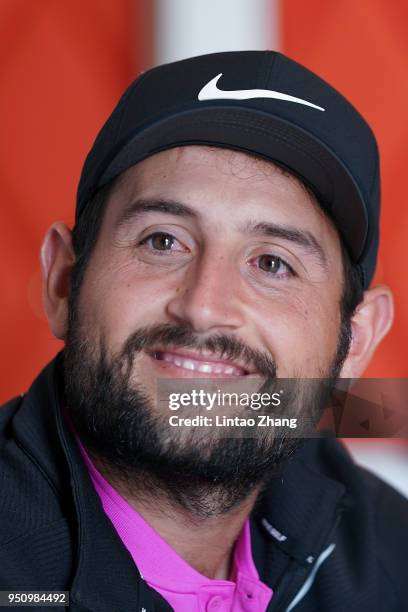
(198, 364)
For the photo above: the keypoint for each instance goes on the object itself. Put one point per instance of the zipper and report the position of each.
(285, 601)
(310, 579)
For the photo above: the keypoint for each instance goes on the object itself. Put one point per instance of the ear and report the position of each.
(57, 258)
(370, 323)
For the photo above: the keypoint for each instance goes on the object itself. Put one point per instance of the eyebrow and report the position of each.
(140, 207)
(302, 238)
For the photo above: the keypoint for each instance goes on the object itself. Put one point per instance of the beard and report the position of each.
(206, 472)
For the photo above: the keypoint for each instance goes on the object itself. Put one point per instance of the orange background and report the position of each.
(64, 66)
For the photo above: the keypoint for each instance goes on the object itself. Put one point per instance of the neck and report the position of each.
(205, 540)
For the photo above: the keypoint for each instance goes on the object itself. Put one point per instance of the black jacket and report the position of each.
(327, 534)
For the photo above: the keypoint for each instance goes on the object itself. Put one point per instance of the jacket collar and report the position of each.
(292, 520)
(106, 577)
(300, 507)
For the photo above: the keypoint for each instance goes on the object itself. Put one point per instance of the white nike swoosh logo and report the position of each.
(210, 91)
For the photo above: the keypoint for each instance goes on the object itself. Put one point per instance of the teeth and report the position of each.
(205, 367)
(190, 364)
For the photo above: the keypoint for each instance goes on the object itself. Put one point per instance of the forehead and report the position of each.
(226, 187)
(202, 163)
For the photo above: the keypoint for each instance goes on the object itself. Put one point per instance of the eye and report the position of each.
(274, 265)
(160, 241)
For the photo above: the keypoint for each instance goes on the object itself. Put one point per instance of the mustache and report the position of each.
(223, 345)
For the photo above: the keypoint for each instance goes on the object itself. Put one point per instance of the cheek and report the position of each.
(300, 331)
(120, 300)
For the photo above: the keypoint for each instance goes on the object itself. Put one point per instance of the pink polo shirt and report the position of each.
(164, 570)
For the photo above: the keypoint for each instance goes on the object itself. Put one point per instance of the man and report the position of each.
(226, 232)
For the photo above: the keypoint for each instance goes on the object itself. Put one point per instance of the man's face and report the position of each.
(224, 270)
(209, 263)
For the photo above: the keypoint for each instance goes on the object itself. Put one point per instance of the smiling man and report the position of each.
(226, 233)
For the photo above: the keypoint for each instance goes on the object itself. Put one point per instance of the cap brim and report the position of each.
(262, 134)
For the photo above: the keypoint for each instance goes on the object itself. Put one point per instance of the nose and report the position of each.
(208, 297)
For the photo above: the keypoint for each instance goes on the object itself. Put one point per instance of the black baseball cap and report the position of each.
(259, 102)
